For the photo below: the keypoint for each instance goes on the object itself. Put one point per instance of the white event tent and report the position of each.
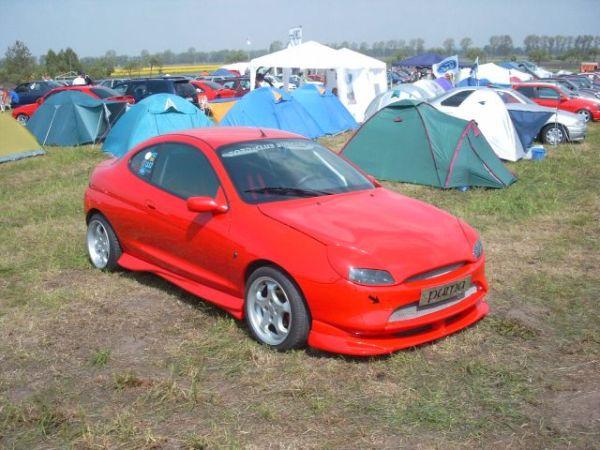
(358, 78)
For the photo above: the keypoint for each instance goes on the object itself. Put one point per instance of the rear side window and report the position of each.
(528, 91)
(179, 169)
(507, 98)
(185, 89)
(158, 87)
(456, 99)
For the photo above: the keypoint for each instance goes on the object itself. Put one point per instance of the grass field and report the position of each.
(97, 360)
(182, 69)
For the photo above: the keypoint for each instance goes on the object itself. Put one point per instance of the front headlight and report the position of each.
(478, 249)
(370, 277)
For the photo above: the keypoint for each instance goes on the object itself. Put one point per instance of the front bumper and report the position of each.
(577, 132)
(360, 321)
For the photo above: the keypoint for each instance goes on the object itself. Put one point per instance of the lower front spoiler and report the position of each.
(329, 338)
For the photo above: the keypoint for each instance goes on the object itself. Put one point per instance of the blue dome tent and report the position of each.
(331, 115)
(272, 108)
(153, 116)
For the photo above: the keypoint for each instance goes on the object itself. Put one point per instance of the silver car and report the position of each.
(562, 126)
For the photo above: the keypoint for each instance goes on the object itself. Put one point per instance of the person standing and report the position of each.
(79, 80)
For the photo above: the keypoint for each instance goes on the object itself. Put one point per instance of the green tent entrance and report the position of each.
(16, 142)
(412, 142)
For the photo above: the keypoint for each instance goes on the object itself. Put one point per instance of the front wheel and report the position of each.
(275, 311)
(585, 115)
(23, 119)
(103, 246)
(553, 134)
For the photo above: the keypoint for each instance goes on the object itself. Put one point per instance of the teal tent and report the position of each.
(412, 142)
(155, 115)
(73, 118)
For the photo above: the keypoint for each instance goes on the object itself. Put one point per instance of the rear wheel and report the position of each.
(554, 134)
(103, 246)
(23, 119)
(585, 115)
(275, 311)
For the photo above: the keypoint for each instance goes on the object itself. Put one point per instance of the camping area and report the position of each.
(135, 358)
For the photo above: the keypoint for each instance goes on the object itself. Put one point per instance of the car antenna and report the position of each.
(262, 133)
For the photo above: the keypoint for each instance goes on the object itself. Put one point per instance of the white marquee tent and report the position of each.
(485, 107)
(495, 74)
(358, 78)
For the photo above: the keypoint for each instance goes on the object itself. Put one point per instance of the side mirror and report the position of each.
(373, 180)
(205, 204)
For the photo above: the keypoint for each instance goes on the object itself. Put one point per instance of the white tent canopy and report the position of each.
(358, 78)
(241, 67)
(486, 108)
(499, 74)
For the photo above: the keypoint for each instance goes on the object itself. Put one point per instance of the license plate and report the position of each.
(440, 293)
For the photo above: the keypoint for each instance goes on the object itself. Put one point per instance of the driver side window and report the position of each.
(179, 169)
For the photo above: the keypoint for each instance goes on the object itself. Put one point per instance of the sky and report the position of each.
(91, 27)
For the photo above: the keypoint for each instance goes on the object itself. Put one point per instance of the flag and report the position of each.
(448, 65)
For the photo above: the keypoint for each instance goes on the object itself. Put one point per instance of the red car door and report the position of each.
(548, 96)
(193, 245)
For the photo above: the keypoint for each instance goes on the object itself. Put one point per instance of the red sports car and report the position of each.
(24, 113)
(212, 90)
(552, 96)
(289, 236)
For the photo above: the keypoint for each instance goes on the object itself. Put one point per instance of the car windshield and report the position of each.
(282, 169)
(104, 92)
(213, 85)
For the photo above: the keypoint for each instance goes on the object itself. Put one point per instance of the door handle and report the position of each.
(150, 205)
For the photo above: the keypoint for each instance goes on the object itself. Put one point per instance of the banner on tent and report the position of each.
(295, 36)
(448, 65)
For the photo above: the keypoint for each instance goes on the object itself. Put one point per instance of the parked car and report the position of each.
(212, 90)
(140, 88)
(240, 85)
(584, 84)
(562, 126)
(32, 90)
(24, 113)
(571, 87)
(286, 234)
(550, 95)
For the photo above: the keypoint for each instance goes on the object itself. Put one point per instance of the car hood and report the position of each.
(378, 229)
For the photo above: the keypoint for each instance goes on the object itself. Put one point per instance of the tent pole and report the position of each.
(51, 122)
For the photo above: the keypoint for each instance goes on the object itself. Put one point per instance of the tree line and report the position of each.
(19, 64)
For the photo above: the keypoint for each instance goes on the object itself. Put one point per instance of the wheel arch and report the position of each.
(562, 126)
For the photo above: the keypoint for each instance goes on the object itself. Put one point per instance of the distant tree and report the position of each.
(538, 55)
(275, 46)
(99, 68)
(18, 63)
(364, 47)
(236, 56)
(448, 46)
(465, 44)
(419, 45)
(474, 52)
(154, 61)
(132, 66)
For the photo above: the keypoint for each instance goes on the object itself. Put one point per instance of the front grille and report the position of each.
(435, 273)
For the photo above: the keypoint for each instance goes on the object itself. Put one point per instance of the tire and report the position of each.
(554, 134)
(275, 310)
(585, 115)
(23, 119)
(103, 245)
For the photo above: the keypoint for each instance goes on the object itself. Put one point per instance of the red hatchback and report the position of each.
(553, 96)
(212, 90)
(24, 113)
(286, 234)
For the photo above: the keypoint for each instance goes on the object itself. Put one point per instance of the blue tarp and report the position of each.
(155, 115)
(527, 123)
(331, 115)
(73, 118)
(272, 108)
(424, 60)
(472, 81)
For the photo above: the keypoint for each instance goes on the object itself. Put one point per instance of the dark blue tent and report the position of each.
(528, 121)
(272, 108)
(331, 115)
(424, 60)
(222, 73)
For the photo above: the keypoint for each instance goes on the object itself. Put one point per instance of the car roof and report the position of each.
(218, 136)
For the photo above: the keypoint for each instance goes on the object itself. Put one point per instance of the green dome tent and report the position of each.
(412, 142)
(15, 141)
